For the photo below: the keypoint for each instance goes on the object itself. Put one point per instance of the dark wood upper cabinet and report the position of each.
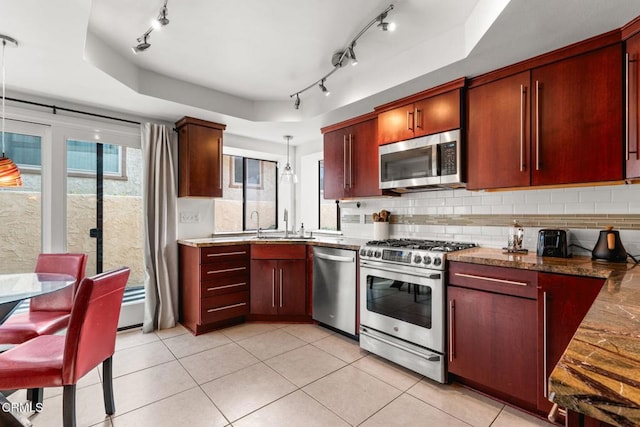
(199, 158)
(577, 119)
(632, 101)
(498, 137)
(432, 111)
(556, 123)
(351, 165)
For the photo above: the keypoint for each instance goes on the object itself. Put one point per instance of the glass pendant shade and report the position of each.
(288, 175)
(9, 173)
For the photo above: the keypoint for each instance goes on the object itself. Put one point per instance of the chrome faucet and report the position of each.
(257, 222)
(286, 223)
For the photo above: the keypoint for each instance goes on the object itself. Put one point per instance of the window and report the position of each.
(249, 185)
(25, 151)
(329, 209)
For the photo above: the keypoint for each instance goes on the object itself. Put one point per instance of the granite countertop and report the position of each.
(339, 242)
(599, 372)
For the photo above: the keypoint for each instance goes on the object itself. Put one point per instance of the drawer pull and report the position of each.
(226, 270)
(226, 307)
(228, 253)
(235, 285)
(491, 279)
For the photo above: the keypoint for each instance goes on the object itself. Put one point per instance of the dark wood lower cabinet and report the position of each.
(492, 343)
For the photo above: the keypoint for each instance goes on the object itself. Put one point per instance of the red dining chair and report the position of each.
(61, 360)
(48, 313)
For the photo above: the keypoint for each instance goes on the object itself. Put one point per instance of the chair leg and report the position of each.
(35, 396)
(107, 386)
(69, 406)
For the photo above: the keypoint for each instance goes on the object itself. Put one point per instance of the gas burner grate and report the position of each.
(430, 245)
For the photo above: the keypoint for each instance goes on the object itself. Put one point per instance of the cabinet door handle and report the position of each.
(344, 161)
(544, 343)
(226, 307)
(491, 279)
(226, 270)
(523, 91)
(410, 120)
(418, 118)
(220, 163)
(537, 125)
(273, 287)
(227, 254)
(235, 285)
(350, 160)
(280, 287)
(452, 319)
(626, 106)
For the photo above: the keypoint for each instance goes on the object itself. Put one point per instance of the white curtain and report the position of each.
(160, 213)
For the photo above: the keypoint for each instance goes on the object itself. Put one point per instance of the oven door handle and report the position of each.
(431, 357)
(433, 276)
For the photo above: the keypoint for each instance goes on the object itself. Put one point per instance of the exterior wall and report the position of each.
(484, 217)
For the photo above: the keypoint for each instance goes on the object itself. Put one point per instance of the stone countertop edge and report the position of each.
(599, 373)
(331, 242)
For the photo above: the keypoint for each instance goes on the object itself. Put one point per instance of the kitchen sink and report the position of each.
(282, 237)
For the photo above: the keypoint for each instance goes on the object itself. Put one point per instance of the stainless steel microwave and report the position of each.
(428, 162)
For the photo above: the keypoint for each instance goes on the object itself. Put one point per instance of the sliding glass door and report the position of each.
(104, 206)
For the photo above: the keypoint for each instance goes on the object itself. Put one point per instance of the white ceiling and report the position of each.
(237, 62)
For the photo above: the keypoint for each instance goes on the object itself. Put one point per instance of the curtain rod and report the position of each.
(55, 110)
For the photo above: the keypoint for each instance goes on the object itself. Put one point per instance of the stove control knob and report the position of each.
(417, 259)
(377, 254)
(426, 260)
(369, 252)
(437, 261)
(363, 252)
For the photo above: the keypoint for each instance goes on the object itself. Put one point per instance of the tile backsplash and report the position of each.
(484, 217)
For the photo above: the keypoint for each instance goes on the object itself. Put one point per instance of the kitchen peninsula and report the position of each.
(597, 375)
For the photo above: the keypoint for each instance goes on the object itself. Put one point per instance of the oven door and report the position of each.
(405, 302)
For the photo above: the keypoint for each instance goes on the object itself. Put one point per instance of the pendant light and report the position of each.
(288, 175)
(9, 172)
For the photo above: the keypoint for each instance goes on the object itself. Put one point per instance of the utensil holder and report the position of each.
(380, 230)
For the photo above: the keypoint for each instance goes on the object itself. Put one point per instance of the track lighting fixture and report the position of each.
(156, 24)
(348, 53)
(323, 88)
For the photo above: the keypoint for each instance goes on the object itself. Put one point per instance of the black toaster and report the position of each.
(553, 243)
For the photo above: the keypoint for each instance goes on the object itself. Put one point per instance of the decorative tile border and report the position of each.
(586, 221)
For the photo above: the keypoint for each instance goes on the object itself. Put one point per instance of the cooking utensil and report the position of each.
(609, 247)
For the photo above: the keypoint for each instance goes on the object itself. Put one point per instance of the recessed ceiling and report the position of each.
(237, 62)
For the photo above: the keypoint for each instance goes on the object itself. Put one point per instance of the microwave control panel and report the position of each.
(448, 158)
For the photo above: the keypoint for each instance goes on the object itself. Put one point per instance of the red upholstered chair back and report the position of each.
(91, 334)
(71, 264)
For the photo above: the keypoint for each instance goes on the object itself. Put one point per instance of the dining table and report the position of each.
(14, 289)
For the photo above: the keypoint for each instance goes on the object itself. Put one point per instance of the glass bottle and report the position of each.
(516, 236)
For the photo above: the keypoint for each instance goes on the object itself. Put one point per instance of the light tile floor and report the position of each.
(259, 374)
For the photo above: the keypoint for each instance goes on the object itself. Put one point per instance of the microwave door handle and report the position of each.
(435, 161)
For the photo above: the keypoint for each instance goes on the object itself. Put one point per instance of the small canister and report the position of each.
(516, 237)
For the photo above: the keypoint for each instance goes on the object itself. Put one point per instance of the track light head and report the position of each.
(352, 55)
(296, 103)
(161, 20)
(385, 26)
(323, 88)
(142, 45)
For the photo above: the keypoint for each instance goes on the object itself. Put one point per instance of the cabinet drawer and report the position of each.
(509, 281)
(222, 269)
(278, 252)
(225, 284)
(215, 254)
(224, 307)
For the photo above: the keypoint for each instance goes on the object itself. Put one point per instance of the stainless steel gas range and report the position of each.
(402, 302)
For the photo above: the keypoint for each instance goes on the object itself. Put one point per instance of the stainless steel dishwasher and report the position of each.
(334, 288)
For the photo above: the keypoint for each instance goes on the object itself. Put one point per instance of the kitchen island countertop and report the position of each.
(599, 372)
